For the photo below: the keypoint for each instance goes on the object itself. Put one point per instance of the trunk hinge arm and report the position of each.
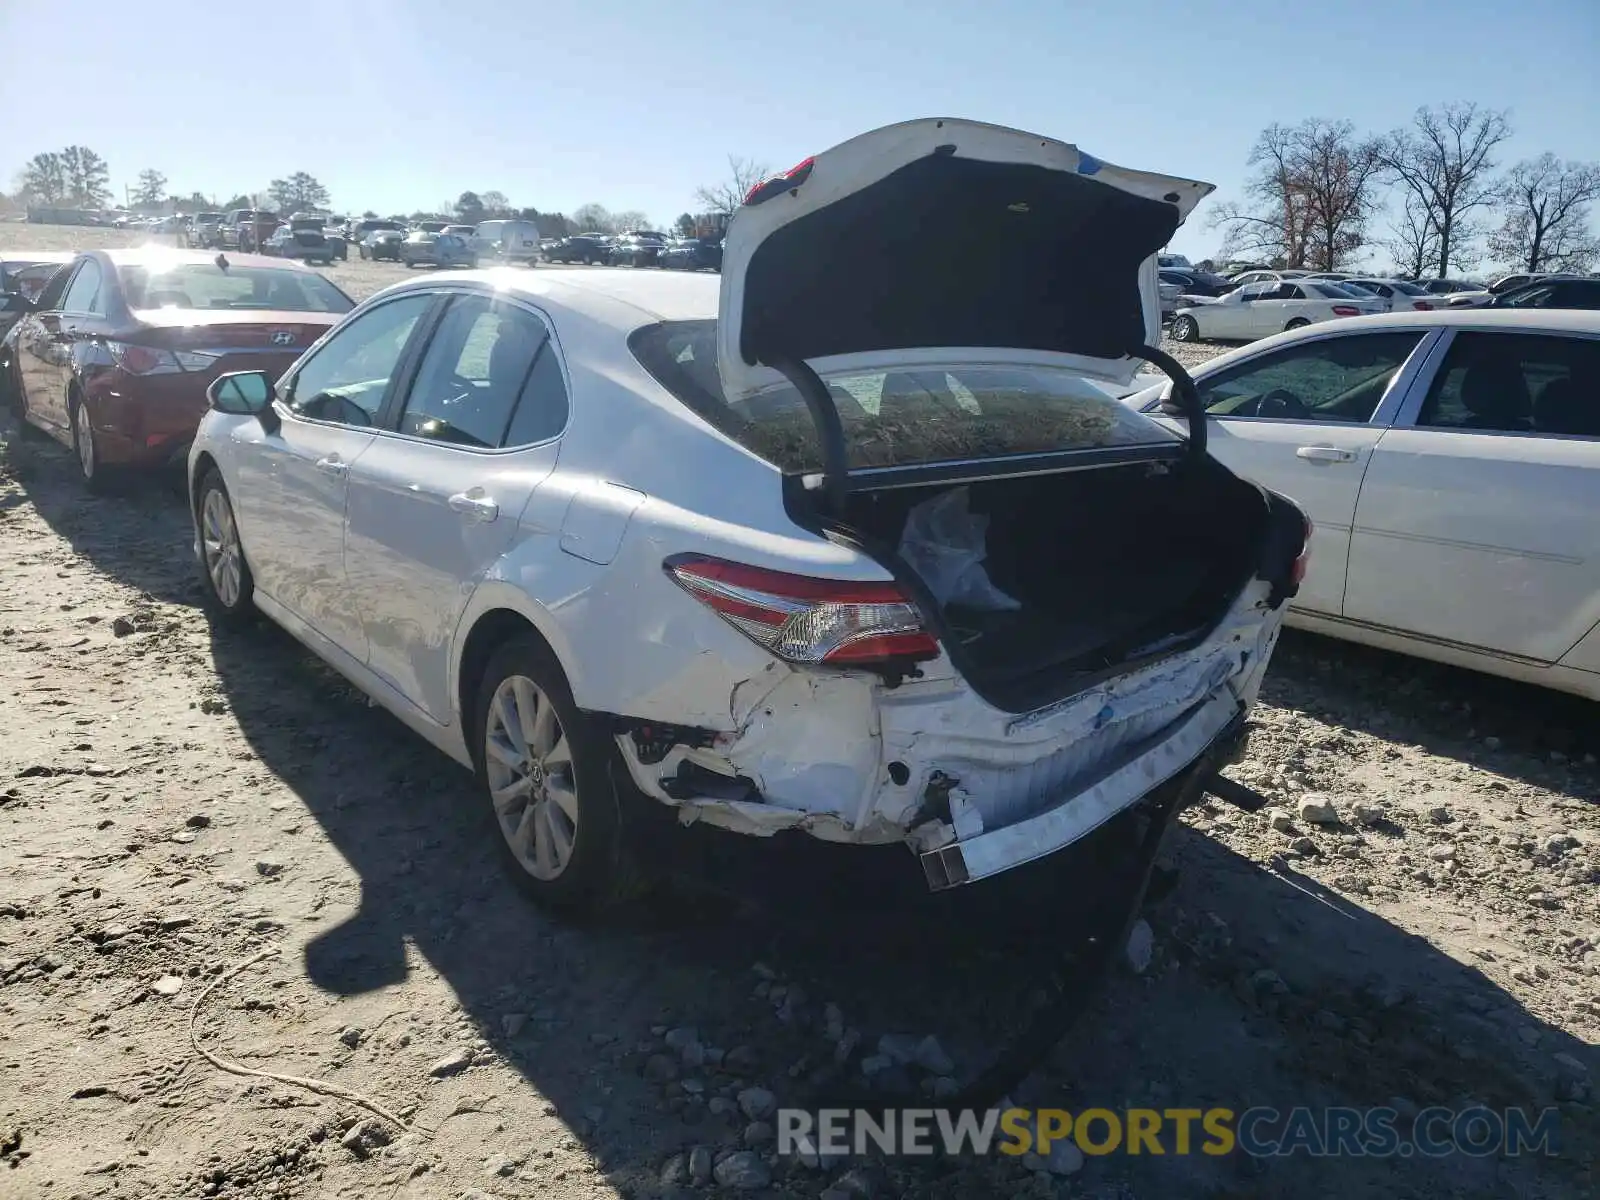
(1183, 388)
(830, 430)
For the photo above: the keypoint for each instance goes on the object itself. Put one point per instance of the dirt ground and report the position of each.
(177, 802)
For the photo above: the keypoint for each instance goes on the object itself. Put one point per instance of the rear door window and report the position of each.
(1517, 383)
(897, 418)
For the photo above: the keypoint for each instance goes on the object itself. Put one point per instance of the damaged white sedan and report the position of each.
(861, 546)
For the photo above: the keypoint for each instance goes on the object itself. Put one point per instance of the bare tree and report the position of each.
(725, 197)
(1311, 195)
(593, 218)
(1444, 160)
(1546, 223)
(1412, 238)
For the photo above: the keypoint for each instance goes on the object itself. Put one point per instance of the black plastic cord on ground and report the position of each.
(1183, 387)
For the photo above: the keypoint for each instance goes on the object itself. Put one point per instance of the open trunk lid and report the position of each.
(946, 241)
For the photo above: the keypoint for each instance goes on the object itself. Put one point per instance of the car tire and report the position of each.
(1185, 329)
(225, 577)
(1297, 323)
(97, 477)
(546, 782)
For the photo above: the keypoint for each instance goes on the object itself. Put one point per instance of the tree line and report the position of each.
(1318, 188)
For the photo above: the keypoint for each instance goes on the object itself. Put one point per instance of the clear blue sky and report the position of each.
(399, 104)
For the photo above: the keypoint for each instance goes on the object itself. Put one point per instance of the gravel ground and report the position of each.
(1416, 924)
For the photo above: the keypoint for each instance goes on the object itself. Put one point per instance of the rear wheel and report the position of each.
(1297, 323)
(224, 573)
(96, 475)
(542, 764)
(1185, 329)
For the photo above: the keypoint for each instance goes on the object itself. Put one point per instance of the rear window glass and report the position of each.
(204, 285)
(896, 418)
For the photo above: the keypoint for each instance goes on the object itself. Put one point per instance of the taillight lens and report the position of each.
(146, 360)
(809, 621)
(1344, 310)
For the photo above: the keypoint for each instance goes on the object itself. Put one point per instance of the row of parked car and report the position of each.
(1257, 301)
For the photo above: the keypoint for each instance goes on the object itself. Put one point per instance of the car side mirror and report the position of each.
(245, 394)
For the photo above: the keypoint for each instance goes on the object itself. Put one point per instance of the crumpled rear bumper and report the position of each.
(1086, 809)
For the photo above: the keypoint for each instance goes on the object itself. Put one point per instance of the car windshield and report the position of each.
(207, 286)
(899, 417)
(1337, 291)
(1406, 289)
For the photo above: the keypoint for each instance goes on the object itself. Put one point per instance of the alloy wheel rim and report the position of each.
(532, 783)
(85, 442)
(219, 537)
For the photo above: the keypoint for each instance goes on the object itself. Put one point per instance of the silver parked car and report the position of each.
(437, 250)
(508, 241)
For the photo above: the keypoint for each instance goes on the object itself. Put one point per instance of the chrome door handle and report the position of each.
(1328, 454)
(333, 465)
(479, 508)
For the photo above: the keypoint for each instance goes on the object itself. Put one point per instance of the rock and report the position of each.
(122, 627)
(168, 985)
(1318, 809)
(198, 821)
(453, 1063)
(693, 1054)
(1064, 1158)
(268, 866)
(1368, 814)
(865, 1182)
(944, 1087)
(1439, 815)
(1279, 819)
(677, 1039)
(743, 1171)
(1304, 845)
(1560, 843)
(365, 1136)
(932, 1058)
(758, 1133)
(351, 1036)
(512, 1024)
(700, 1165)
(1268, 982)
(659, 1068)
(741, 1059)
(1444, 853)
(1529, 1035)
(675, 1171)
(721, 1106)
(757, 1103)
(899, 1047)
(874, 1064)
(499, 1164)
(1137, 953)
(832, 1021)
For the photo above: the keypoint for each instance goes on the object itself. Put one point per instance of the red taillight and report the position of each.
(805, 620)
(141, 360)
(1344, 310)
(1422, 306)
(793, 177)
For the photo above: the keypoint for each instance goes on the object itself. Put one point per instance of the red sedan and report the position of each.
(114, 356)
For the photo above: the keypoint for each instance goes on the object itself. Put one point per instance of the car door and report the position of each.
(290, 497)
(46, 359)
(1478, 518)
(1230, 316)
(1303, 420)
(1279, 304)
(435, 501)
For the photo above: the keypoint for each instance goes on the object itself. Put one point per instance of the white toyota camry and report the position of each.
(860, 546)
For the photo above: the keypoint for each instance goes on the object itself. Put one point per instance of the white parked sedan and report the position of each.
(859, 547)
(1259, 309)
(1450, 462)
(1397, 294)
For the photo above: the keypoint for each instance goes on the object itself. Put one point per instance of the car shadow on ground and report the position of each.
(1279, 992)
